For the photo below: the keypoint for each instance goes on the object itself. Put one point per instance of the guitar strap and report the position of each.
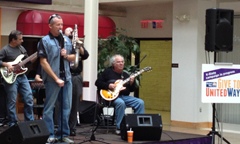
(122, 76)
(20, 48)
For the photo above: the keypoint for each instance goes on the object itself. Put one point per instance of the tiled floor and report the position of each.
(230, 132)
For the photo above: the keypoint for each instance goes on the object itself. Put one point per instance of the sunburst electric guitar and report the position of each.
(18, 70)
(111, 95)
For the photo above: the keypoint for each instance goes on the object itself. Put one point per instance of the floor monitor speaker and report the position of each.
(144, 126)
(30, 132)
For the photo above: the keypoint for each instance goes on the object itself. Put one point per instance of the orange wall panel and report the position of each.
(0, 26)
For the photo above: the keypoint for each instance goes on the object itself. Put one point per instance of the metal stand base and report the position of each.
(92, 138)
(213, 132)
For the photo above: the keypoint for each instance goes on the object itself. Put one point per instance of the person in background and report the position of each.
(77, 82)
(55, 52)
(106, 81)
(21, 85)
(38, 76)
(42, 94)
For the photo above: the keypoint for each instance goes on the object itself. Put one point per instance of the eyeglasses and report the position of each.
(53, 16)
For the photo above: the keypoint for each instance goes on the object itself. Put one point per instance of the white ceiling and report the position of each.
(130, 3)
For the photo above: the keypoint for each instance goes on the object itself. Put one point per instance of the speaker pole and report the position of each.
(214, 132)
(93, 138)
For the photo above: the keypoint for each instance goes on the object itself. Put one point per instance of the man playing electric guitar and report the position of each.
(21, 85)
(106, 81)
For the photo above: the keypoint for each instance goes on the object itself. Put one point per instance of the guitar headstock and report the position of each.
(147, 69)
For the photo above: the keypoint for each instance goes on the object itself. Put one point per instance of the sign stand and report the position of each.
(214, 132)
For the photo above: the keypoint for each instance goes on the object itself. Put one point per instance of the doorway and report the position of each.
(155, 88)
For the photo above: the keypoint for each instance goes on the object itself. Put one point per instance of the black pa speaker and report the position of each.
(219, 30)
(30, 132)
(87, 110)
(144, 126)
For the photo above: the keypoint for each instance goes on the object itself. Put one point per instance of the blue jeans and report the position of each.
(21, 86)
(122, 102)
(53, 92)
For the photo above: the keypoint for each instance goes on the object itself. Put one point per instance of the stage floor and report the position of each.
(169, 133)
(108, 135)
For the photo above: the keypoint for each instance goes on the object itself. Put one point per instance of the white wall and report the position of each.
(231, 5)
(9, 20)
(155, 12)
(188, 52)
(184, 53)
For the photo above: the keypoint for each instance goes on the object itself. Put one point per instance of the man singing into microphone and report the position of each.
(55, 52)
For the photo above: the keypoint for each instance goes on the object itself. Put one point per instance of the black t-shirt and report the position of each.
(61, 44)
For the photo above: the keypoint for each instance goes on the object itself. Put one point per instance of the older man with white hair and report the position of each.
(106, 81)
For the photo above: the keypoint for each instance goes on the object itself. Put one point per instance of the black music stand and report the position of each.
(92, 137)
(213, 132)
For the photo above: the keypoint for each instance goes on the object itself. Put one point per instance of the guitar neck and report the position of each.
(27, 59)
(134, 75)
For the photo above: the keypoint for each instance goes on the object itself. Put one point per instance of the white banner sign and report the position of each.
(220, 83)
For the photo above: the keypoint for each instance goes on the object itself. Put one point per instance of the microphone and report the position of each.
(62, 41)
(60, 31)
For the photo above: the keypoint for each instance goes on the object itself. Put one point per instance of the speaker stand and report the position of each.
(93, 138)
(214, 132)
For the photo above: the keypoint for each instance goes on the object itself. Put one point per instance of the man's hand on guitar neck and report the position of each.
(132, 78)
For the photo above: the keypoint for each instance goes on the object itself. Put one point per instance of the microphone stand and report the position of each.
(63, 73)
(139, 63)
(136, 91)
